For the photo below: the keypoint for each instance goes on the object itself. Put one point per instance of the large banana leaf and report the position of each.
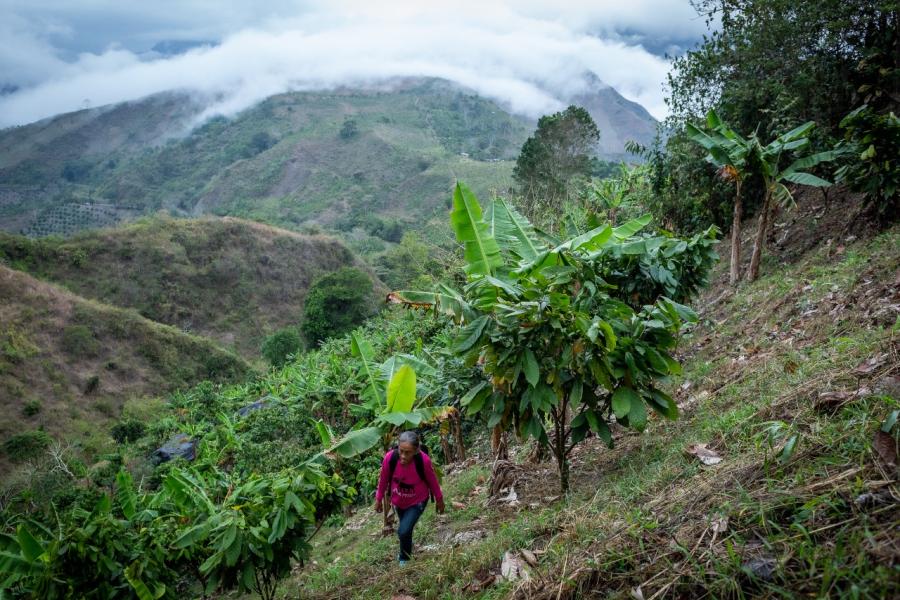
(356, 442)
(481, 251)
(629, 228)
(360, 348)
(514, 230)
(401, 391)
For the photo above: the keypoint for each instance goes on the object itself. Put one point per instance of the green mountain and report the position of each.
(228, 280)
(338, 159)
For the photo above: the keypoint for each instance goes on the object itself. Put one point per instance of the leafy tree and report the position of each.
(282, 344)
(872, 145)
(771, 64)
(728, 151)
(336, 303)
(555, 341)
(553, 158)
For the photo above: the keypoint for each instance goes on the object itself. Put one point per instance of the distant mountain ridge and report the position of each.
(330, 158)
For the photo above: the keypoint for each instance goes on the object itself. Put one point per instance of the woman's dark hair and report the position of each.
(410, 437)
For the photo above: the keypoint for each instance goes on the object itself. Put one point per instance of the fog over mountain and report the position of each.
(530, 56)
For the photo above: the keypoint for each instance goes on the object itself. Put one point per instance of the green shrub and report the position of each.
(280, 345)
(31, 408)
(872, 142)
(336, 303)
(128, 431)
(80, 340)
(27, 445)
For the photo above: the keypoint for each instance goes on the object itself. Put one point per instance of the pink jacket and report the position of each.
(406, 488)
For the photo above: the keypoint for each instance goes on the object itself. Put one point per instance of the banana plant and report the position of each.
(392, 393)
(729, 151)
(768, 158)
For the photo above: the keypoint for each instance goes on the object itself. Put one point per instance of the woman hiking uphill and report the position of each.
(408, 477)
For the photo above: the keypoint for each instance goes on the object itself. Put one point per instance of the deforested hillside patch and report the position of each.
(68, 365)
(226, 279)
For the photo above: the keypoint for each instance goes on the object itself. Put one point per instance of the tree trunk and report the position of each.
(736, 237)
(457, 430)
(499, 444)
(559, 446)
(445, 448)
(760, 241)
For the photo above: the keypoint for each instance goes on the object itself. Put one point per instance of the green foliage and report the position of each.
(771, 64)
(554, 336)
(281, 345)
(31, 408)
(26, 445)
(128, 431)
(553, 159)
(871, 146)
(336, 303)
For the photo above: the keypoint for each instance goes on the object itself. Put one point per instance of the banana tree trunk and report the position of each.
(735, 275)
(760, 241)
(457, 430)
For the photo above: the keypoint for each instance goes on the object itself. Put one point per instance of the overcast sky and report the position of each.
(61, 56)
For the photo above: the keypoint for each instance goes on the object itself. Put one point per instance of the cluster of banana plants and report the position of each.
(220, 530)
(393, 395)
(571, 335)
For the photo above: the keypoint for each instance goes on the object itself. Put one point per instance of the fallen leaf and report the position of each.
(886, 448)
(458, 505)
(719, 525)
(512, 567)
(706, 455)
(869, 365)
(529, 557)
(402, 597)
(637, 594)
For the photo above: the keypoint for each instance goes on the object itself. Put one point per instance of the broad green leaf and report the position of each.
(125, 493)
(591, 240)
(662, 403)
(324, 431)
(629, 228)
(192, 535)
(599, 426)
(516, 232)
(480, 249)
(472, 393)
(788, 449)
(401, 391)
(806, 179)
(30, 547)
(356, 442)
(622, 400)
(637, 416)
(469, 335)
(362, 349)
(400, 419)
(531, 368)
(575, 393)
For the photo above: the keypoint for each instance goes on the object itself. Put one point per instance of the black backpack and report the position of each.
(417, 460)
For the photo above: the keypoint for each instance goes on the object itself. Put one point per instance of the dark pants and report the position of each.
(408, 517)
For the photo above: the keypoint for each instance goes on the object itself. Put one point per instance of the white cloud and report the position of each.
(529, 55)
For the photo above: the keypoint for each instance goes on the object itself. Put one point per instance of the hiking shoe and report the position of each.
(403, 563)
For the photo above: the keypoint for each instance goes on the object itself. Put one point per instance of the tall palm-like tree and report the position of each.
(729, 152)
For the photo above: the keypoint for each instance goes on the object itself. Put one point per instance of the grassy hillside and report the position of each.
(810, 350)
(70, 365)
(226, 279)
